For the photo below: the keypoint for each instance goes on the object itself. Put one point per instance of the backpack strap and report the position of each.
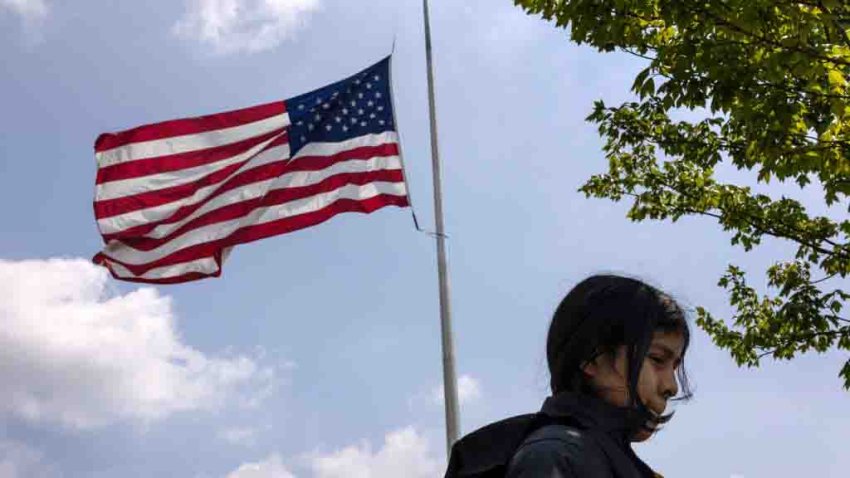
(487, 451)
(614, 456)
(621, 464)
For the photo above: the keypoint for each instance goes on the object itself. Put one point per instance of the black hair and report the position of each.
(602, 313)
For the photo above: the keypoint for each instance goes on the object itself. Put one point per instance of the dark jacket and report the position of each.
(589, 439)
(573, 436)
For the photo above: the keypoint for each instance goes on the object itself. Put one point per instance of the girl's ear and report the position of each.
(591, 367)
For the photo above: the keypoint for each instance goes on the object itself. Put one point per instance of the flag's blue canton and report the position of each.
(347, 109)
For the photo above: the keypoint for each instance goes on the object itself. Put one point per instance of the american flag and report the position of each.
(173, 198)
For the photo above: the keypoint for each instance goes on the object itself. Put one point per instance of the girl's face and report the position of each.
(608, 375)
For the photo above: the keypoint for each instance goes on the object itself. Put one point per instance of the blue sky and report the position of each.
(316, 354)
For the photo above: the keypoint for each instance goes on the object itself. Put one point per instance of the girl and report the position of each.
(615, 350)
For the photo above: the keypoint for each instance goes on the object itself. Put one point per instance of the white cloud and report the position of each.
(468, 391)
(75, 354)
(405, 453)
(239, 436)
(230, 26)
(32, 14)
(28, 9)
(20, 461)
(271, 467)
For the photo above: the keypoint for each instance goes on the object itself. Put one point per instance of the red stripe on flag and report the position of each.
(175, 162)
(256, 232)
(181, 127)
(316, 162)
(102, 260)
(261, 173)
(114, 207)
(122, 205)
(289, 224)
(272, 198)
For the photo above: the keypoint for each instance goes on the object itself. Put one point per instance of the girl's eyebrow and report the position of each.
(666, 351)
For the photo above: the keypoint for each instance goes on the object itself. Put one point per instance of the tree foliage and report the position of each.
(768, 82)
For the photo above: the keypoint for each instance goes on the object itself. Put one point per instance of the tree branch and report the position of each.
(724, 22)
(824, 279)
(843, 32)
(639, 55)
(751, 221)
(791, 340)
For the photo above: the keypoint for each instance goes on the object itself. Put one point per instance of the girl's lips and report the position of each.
(655, 409)
(655, 412)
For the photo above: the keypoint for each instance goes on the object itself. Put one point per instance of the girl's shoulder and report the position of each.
(559, 450)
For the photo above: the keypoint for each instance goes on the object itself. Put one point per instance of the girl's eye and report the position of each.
(657, 360)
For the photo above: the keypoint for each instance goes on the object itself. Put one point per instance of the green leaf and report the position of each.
(765, 84)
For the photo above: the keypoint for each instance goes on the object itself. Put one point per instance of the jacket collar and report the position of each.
(591, 412)
(619, 423)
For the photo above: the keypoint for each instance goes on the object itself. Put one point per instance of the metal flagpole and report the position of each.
(449, 378)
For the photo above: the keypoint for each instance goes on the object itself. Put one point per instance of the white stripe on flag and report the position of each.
(330, 149)
(291, 180)
(130, 187)
(190, 142)
(121, 252)
(122, 222)
(205, 265)
(125, 221)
